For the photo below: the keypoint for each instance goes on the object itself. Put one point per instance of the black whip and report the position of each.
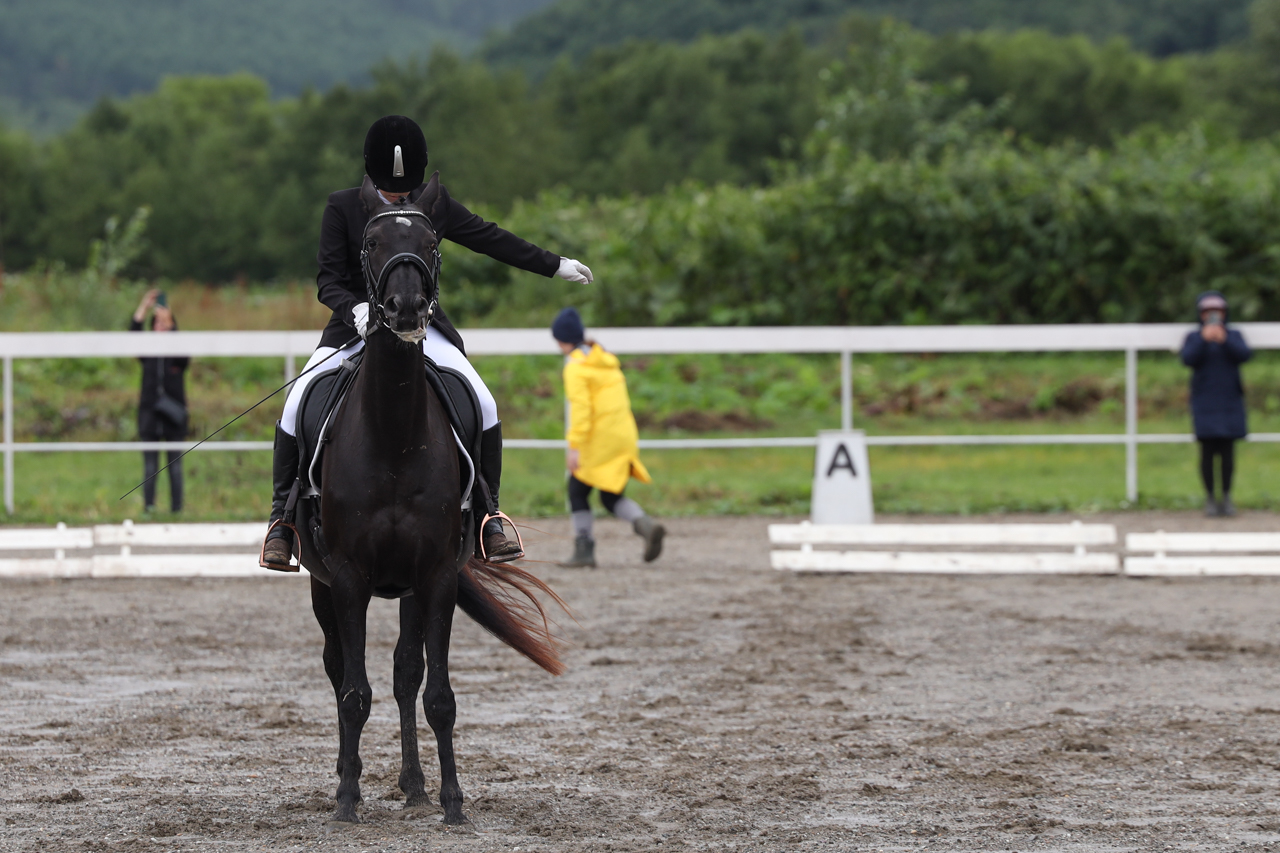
(233, 420)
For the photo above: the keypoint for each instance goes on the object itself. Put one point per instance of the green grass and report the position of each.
(85, 488)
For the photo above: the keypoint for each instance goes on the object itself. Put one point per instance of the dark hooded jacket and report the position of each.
(1217, 393)
(172, 370)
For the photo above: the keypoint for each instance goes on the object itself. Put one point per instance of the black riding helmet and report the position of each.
(395, 154)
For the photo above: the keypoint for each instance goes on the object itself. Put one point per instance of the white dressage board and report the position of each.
(73, 551)
(907, 536)
(1203, 554)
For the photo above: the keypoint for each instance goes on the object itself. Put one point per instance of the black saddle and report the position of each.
(327, 390)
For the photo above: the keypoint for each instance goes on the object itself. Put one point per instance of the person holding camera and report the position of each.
(1214, 354)
(162, 406)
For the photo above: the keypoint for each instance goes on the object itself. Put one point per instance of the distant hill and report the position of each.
(575, 27)
(59, 56)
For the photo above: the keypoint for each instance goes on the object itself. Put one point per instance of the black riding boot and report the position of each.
(498, 548)
(278, 548)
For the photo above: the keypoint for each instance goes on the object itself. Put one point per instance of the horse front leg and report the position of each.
(438, 604)
(322, 606)
(409, 668)
(351, 604)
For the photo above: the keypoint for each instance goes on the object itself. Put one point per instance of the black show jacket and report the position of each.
(341, 281)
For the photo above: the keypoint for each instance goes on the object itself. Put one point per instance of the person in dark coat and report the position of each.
(395, 161)
(1215, 353)
(162, 378)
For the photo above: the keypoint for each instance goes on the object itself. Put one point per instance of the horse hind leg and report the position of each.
(409, 669)
(438, 701)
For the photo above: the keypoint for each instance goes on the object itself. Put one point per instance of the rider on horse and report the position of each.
(395, 159)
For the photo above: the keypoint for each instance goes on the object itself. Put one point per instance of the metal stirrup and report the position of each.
(484, 553)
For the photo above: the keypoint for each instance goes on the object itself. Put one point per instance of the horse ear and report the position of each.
(369, 195)
(431, 196)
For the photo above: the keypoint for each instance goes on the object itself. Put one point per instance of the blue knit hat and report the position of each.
(567, 327)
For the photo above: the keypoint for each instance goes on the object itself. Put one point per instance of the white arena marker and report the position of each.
(841, 479)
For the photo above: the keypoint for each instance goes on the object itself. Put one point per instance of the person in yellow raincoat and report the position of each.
(603, 443)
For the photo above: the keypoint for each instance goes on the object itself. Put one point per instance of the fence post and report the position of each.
(8, 434)
(1131, 425)
(846, 390)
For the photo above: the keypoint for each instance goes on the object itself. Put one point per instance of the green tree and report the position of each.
(1062, 88)
(20, 209)
(575, 28)
(57, 57)
(192, 152)
(1238, 88)
(644, 116)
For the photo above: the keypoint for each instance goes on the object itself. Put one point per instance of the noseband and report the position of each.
(375, 286)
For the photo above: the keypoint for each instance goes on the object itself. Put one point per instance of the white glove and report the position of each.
(571, 270)
(360, 314)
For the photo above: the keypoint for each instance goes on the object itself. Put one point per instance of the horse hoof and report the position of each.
(345, 814)
(455, 817)
(417, 800)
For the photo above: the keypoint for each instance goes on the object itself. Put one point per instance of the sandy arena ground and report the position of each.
(710, 704)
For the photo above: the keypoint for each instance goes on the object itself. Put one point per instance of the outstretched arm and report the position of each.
(468, 229)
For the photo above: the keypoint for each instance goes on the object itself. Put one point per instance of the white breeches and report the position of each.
(434, 345)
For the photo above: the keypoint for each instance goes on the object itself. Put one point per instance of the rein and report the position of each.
(375, 285)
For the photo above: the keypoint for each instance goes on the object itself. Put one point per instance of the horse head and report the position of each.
(400, 255)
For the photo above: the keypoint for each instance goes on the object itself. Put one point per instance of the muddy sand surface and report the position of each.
(710, 704)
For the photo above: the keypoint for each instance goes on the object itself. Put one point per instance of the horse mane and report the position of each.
(502, 599)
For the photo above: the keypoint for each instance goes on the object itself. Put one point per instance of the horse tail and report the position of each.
(502, 599)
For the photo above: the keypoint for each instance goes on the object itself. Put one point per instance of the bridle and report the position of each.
(375, 285)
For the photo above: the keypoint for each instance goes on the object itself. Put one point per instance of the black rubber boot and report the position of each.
(278, 548)
(584, 554)
(652, 532)
(497, 547)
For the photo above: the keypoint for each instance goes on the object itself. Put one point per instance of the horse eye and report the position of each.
(371, 244)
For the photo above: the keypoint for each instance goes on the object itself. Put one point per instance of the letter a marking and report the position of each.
(841, 459)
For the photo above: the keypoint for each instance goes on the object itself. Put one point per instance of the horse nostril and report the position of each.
(420, 303)
(392, 305)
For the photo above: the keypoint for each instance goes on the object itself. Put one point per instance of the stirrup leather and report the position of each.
(484, 555)
(296, 550)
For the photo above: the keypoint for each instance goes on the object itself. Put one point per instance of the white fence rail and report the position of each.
(845, 340)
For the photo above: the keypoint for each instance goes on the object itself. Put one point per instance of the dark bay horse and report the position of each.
(391, 523)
